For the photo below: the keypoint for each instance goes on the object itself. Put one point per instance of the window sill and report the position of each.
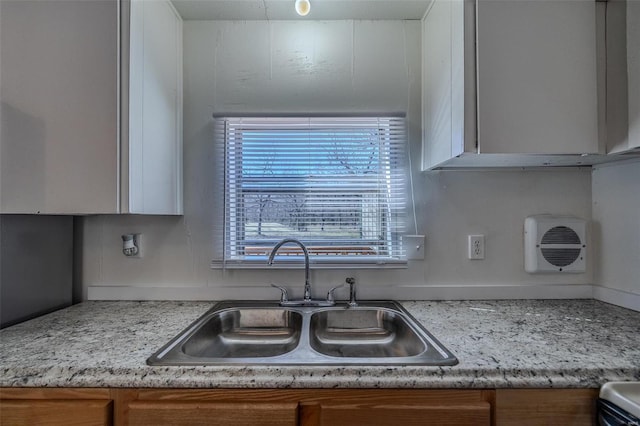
(355, 262)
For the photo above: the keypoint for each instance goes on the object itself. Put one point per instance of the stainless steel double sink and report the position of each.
(264, 333)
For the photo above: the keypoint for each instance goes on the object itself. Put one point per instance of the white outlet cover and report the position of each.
(137, 239)
(473, 253)
(413, 246)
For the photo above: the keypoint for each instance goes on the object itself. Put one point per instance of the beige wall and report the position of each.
(335, 67)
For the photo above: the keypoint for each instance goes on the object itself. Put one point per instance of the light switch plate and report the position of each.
(413, 246)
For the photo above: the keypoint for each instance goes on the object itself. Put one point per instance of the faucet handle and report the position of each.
(330, 297)
(283, 296)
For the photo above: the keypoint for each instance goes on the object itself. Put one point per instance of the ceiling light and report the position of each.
(303, 7)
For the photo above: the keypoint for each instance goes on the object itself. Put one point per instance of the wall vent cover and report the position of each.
(555, 244)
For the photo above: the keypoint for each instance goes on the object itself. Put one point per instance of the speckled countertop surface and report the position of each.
(526, 343)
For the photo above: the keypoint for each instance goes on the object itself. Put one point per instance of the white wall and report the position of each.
(337, 67)
(616, 216)
(36, 262)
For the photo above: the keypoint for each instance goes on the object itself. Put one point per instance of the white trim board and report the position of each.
(617, 297)
(449, 292)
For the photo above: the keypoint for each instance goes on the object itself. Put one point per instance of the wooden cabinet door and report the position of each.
(196, 413)
(534, 407)
(397, 407)
(55, 407)
(471, 414)
(307, 407)
(55, 412)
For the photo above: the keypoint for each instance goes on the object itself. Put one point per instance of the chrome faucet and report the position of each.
(306, 300)
(352, 292)
(307, 285)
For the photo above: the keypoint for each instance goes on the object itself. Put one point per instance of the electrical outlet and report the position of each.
(132, 245)
(476, 247)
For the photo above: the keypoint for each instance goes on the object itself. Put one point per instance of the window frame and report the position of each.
(234, 230)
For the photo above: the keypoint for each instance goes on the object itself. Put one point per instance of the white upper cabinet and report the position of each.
(506, 79)
(154, 134)
(59, 95)
(64, 110)
(537, 83)
(623, 76)
(633, 71)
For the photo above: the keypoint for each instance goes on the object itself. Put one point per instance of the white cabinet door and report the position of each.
(617, 77)
(506, 79)
(154, 137)
(66, 145)
(443, 82)
(633, 71)
(59, 150)
(623, 76)
(537, 82)
(448, 81)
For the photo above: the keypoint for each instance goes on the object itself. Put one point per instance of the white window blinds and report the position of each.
(335, 183)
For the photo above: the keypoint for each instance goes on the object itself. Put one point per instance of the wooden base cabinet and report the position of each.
(52, 407)
(196, 413)
(290, 407)
(532, 407)
(407, 408)
(309, 407)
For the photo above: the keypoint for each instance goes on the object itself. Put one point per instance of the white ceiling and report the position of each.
(284, 10)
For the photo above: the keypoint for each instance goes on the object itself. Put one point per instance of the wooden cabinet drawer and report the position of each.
(533, 407)
(471, 414)
(195, 413)
(51, 412)
(49, 407)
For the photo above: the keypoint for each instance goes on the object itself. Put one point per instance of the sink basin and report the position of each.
(364, 333)
(249, 332)
(240, 333)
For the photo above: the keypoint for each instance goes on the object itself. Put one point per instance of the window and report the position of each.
(335, 183)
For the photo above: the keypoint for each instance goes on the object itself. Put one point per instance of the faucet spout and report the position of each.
(352, 292)
(307, 285)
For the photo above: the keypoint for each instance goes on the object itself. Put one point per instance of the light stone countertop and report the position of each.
(500, 344)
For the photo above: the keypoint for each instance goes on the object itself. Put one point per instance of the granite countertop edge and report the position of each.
(214, 379)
